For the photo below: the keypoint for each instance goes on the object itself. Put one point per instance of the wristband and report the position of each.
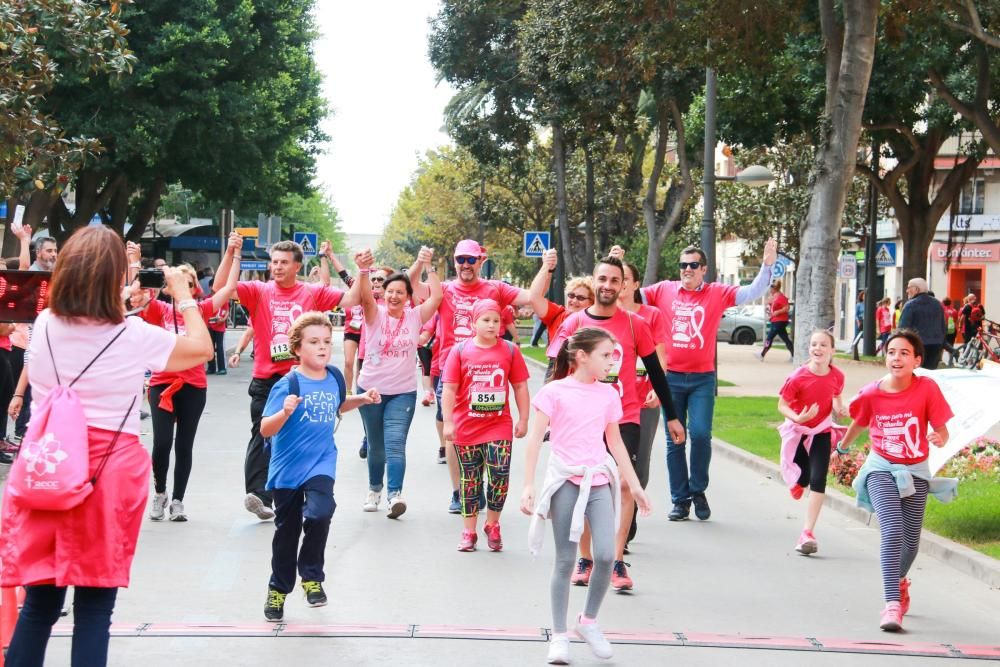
(186, 304)
(136, 265)
(18, 396)
(842, 452)
(365, 270)
(431, 269)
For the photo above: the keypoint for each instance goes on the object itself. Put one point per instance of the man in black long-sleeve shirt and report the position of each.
(924, 314)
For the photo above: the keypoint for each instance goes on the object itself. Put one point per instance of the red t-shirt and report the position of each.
(778, 302)
(555, 315)
(5, 344)
(631, 333)
(455, 324)
(483, 376)
(803, 388)
(692, 318)
(272, 310)
(897, 422)
(217, 322)
(162, 314)
(883, 317)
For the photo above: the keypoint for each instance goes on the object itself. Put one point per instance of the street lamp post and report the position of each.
(870, 327)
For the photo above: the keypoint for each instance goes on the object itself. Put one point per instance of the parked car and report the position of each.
(743, 325)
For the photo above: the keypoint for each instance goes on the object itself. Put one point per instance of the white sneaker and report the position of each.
(159, 507)
(591, 633)
(254, 504)
(559, 650)
(397, 506)
(177, 511)
(371, 501)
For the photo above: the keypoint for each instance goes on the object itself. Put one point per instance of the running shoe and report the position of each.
(397, 506)
(363, 452)
(456, 505)
(493, 539)
(680, 512)
(371, 501)
(904, 596)
(559, 650)
(701, 508)
(16, 439)
(274, 608)
(159, 507)
(796, 491)
(892, 617)
(468, 541)
(427, 399)
(177, 511)
(255, 505)
(441, 456)
(581, 577)
(6, 458)
(591, 633)
(807, 543)
(315, 595)
(222, 372)
(620, 581)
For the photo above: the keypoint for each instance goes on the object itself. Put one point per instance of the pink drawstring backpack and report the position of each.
(52, 470)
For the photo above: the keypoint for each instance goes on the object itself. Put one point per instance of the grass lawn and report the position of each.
(862, 357)
(973, 519)
(538, 354)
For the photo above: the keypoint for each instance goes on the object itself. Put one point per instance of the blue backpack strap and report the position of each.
(341, 384)
(293, 383)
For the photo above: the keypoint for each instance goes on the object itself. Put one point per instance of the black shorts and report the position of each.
(631, 438)
(350, 335)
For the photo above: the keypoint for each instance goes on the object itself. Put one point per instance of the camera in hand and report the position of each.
(152, 279)
(23, 294)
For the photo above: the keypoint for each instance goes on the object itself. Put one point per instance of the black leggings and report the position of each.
(815, 463)
(779, 330)
(189, 403)
(425, 355)
(92, 608)
(7, 385)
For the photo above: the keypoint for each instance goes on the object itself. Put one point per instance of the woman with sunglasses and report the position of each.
(579, 295)
(176, 398)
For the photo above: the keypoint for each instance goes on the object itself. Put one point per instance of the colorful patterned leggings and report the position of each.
(494, 457)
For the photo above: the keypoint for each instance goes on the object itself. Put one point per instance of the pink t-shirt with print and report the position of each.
(390, 353)
(272, 310)
(455, 324)
(692, 319)
(162, 314)
(355, 318)
(108, 387)
(578, 413)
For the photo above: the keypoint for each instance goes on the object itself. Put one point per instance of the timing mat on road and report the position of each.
(530, 634)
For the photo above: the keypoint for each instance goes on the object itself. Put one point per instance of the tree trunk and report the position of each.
(917, 237)
(588, 214)
(816, 277)
(146, 209)
(562, 214)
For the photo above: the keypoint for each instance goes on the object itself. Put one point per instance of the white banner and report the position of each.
(972, 396)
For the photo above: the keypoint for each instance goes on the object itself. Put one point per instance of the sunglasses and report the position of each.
(689, 265)
(577, 297)
(378, 280)
(471, 261)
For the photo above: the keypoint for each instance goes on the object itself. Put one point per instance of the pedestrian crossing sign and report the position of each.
(885, 254)
(536, 243)
(309, 242)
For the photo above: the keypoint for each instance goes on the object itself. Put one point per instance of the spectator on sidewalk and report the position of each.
(925, 315)
(778, 323)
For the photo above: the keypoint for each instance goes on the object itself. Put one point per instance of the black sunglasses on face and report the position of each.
(378, 280)
(689, 265)
(471, 261)
(577, 297)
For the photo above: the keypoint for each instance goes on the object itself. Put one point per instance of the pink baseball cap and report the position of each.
(469, 248)
(484, 306)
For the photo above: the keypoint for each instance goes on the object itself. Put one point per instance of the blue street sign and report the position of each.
(778, 270)
(3, 209)
(885, 254)
(253, 266)
(535, 243)
(309, 242)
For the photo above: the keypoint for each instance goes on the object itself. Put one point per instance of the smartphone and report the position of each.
(152, 279)
(23, 294)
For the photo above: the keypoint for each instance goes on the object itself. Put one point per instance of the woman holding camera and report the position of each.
(91, 545)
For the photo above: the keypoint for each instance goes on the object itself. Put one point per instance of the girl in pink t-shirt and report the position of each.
(809, 400)
(583, 414)
(895, 480)
(475, 405)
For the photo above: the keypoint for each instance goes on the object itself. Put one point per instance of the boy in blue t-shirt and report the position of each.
(303, 462)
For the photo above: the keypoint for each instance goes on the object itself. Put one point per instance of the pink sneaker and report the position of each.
(493, 538)
(428, 398)
(807, 543)
(904, 596)
(468, 542)
(892, 617)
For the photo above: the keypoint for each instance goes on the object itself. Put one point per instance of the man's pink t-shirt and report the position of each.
(578, 415)
(272, 310)
(692, 318)
(632, 335)
(108, 387)
(483, 376)
(455, 324)
(657, 325)
(164, 315)
(390, 352)
(897, 422)
(803, 388)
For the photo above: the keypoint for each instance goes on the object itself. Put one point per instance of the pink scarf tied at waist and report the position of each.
(167, 397)
(791, 433)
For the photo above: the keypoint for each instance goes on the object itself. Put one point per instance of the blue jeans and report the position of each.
(304, 511)
(387, 424)
(92, 608)
(694, 400)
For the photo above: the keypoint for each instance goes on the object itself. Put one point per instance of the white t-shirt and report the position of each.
(108, 387)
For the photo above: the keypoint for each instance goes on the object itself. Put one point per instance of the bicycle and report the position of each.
(985, 345)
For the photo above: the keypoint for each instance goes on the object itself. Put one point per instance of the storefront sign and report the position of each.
(970, 253)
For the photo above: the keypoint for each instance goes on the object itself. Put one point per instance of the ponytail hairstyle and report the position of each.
(585, 339)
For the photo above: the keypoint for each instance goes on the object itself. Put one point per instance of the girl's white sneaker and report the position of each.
(591, 633)
(559, 650)
(371, 501)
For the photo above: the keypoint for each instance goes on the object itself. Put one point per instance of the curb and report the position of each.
(951, 553)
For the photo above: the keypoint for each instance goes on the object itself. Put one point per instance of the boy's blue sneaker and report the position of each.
(363, 452)
(456, 506)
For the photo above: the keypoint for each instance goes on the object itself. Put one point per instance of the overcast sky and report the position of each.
(387, 108)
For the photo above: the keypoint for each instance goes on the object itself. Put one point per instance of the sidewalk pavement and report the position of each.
(736, 574)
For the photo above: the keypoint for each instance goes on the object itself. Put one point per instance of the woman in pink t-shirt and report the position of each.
(586, 467)
(390, 350)
(895, 479)
(91, 545)
(475, 404)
